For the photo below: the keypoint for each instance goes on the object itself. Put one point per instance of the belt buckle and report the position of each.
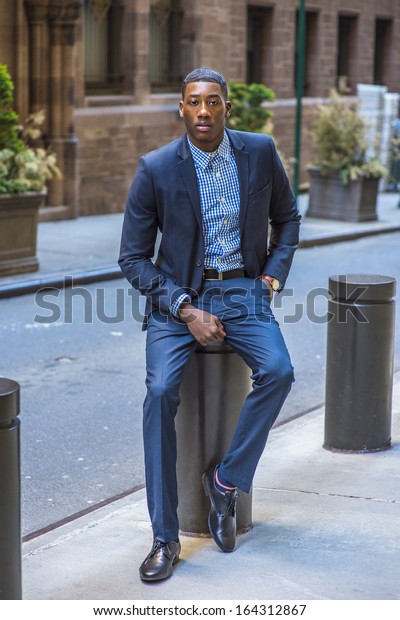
(220, 277)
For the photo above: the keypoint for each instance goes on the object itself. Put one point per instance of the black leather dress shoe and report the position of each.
(222, 515)
(161, 560)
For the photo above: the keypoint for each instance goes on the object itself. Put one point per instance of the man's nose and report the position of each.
(203, 109)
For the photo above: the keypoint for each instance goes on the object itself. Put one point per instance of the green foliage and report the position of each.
(9, 184)
(8, 118)
(247, 113)
(339, 138)
(6, 87)
(23, 168)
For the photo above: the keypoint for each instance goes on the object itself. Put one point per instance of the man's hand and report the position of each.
(267, 282)
(205, 327)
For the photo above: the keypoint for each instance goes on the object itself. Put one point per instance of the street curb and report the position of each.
(346, 236)
(61, 281)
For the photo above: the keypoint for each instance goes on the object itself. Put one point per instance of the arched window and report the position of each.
(172, 38)
(102, 50)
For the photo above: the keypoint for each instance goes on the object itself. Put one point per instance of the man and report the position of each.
(213, 194)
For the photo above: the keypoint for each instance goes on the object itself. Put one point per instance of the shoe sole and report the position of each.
(206, 487)
(174, 562)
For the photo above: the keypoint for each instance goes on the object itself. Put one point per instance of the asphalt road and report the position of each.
(79, 359)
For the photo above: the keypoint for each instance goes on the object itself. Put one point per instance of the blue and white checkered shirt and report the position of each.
(218, 183)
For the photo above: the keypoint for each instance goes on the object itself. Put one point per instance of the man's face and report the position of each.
(204, 110)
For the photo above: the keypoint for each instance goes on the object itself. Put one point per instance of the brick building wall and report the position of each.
(221, 38)
(113, 128)
(111, 141)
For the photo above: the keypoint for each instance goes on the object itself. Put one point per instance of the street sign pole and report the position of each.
(300, 43)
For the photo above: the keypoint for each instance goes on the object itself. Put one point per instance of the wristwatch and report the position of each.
(274, 282)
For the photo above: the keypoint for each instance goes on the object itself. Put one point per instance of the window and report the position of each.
(383, 41)
(346, 44)
(171, 43)
(310, 79)
(103, 20)
(259, 41)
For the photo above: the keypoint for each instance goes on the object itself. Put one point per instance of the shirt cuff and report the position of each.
(174, 308)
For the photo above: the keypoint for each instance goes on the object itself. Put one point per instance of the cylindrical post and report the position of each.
(214, 387)
(10, 493)
(359, 370)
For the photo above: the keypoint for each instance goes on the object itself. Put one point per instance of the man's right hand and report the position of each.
(205, 327)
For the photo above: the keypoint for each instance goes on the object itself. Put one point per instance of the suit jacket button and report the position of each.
(199, 263)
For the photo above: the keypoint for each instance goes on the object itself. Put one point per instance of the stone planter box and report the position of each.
(18, 232)
(331, 199)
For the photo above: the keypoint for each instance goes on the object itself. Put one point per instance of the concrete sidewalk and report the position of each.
(326, 526)
(88, 247)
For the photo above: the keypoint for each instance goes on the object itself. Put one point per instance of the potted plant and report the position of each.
(24, 172)
(345, 174)
(248, 113)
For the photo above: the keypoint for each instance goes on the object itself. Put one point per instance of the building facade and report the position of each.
(108, 73)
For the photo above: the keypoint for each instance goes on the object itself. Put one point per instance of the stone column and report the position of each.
(63, 18)
(140, 44)
(37, 14)
(52, 30)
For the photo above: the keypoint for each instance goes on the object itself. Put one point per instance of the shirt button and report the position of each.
(225, 221)
(222, 242)
(222, 199)
(199, 263)
(218, 175)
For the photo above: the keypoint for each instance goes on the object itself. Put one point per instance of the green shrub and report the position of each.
(23, 167)
(339, 138)
(248, 113)
(9, 120)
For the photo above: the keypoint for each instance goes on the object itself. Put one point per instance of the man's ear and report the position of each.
(228, 107)
(181, 109)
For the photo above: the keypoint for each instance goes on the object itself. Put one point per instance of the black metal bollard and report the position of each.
(359, 371)
(10, 492)
(215, 384)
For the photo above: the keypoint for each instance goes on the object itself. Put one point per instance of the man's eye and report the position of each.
(213, 102)
(193, 102)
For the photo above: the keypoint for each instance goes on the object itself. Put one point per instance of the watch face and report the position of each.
(275, 284)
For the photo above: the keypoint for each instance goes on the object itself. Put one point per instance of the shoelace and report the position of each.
(232, 499)
(158, 545)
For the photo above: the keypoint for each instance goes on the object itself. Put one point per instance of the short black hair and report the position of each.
(204, 74)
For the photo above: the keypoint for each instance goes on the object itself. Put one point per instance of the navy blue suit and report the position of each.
(164, 196)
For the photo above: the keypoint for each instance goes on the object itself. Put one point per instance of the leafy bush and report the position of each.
(8, 118)
(23, 168)
(339, 138)
(247, 113)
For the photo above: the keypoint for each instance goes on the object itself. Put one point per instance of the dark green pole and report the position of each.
(10, 492)
(300, 46)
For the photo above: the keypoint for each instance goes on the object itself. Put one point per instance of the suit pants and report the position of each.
(243, 307)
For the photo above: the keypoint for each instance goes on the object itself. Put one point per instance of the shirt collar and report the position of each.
(203, 158)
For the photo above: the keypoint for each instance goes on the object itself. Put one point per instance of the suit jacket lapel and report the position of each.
(242, 163)
(188, 172)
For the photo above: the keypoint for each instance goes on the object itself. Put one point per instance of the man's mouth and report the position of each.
(203, 127)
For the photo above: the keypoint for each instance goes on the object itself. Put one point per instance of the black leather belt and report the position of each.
(213, 274)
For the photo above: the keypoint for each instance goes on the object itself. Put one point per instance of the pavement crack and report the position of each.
(318, 493)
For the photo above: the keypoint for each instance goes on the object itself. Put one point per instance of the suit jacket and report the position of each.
(164, 196)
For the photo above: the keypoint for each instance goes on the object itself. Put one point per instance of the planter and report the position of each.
(331, 199)
(18, 232)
